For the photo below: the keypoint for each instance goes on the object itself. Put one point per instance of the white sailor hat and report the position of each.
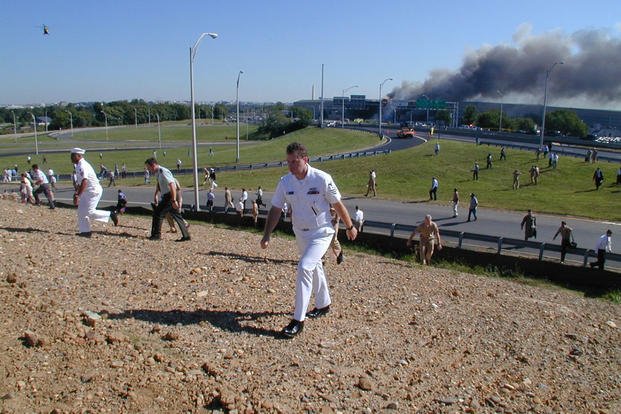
(78, 151)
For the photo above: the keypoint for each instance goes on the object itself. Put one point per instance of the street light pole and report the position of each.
(159, 131)
(380, 105)
(135, 117)
(34, 122)
(14, 126)
(237, 103)
(106, 123)
(500, 119)
(343, 105)
(71, 121)
(193, 51)
(545, 98)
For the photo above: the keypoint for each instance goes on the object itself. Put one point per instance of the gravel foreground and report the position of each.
(121, 324)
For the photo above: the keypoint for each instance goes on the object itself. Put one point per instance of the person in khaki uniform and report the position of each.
(429, 238)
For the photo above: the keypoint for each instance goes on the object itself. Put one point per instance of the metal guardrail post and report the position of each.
(586, 257)
(392, 230)
(499, 245)
(461, 239)
(541, 249)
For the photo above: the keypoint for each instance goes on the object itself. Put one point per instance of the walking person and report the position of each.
(41, 180)
(244, 198)
(228, 200)
(516, 179)
(51, 177)
(259, 195)
(167, 187)
(335, 245)
(121, 202)
(472, 208)
(211, 197)
(255, 212)
(434, 189)
(429, 238)
(358, 220)
(25, 189)
(598, 178)
(309, 192)
(87, 194)
(372, 184)
(603, 246)
(178, 164)
(475, 171)
(112, 181)
(503, 154)
(455, 202)
(529, 225)
(488, 161)
(567, 239)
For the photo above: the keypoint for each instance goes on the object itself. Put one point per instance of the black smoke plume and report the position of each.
(590, 73)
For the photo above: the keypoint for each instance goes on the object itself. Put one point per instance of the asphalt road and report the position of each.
(490, 221)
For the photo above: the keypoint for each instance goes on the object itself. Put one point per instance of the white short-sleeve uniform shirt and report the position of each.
(308, 199)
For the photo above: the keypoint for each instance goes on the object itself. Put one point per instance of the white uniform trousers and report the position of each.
(87, 210)
(312, 246)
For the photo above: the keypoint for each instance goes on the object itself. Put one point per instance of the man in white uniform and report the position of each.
(309, 192)
(87, 194)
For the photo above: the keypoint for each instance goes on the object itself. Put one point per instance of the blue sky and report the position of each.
(114, 50)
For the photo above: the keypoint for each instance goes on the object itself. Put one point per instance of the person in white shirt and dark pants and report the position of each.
(603, 246)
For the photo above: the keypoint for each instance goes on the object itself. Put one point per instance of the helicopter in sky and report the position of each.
(45, 28)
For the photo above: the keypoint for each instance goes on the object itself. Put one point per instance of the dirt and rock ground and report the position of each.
(121, 324)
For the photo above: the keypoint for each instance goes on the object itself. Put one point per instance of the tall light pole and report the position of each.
(135, 117)
(193, 51)
(500, 120)
(343, 105)
(237, 103)
(34, 123)
(71, 121)
(106, 123)
(14, 126)
(545, 98)
(159, 131)
(380, 105)
(321, 102)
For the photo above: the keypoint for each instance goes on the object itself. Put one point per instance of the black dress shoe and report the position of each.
(184, 239)
(154, 238)
(85, 234)
(317, 312)
(294, 328)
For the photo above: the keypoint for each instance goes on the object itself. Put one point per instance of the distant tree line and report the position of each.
(117, 112)
(563, 122)
(281, 120)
